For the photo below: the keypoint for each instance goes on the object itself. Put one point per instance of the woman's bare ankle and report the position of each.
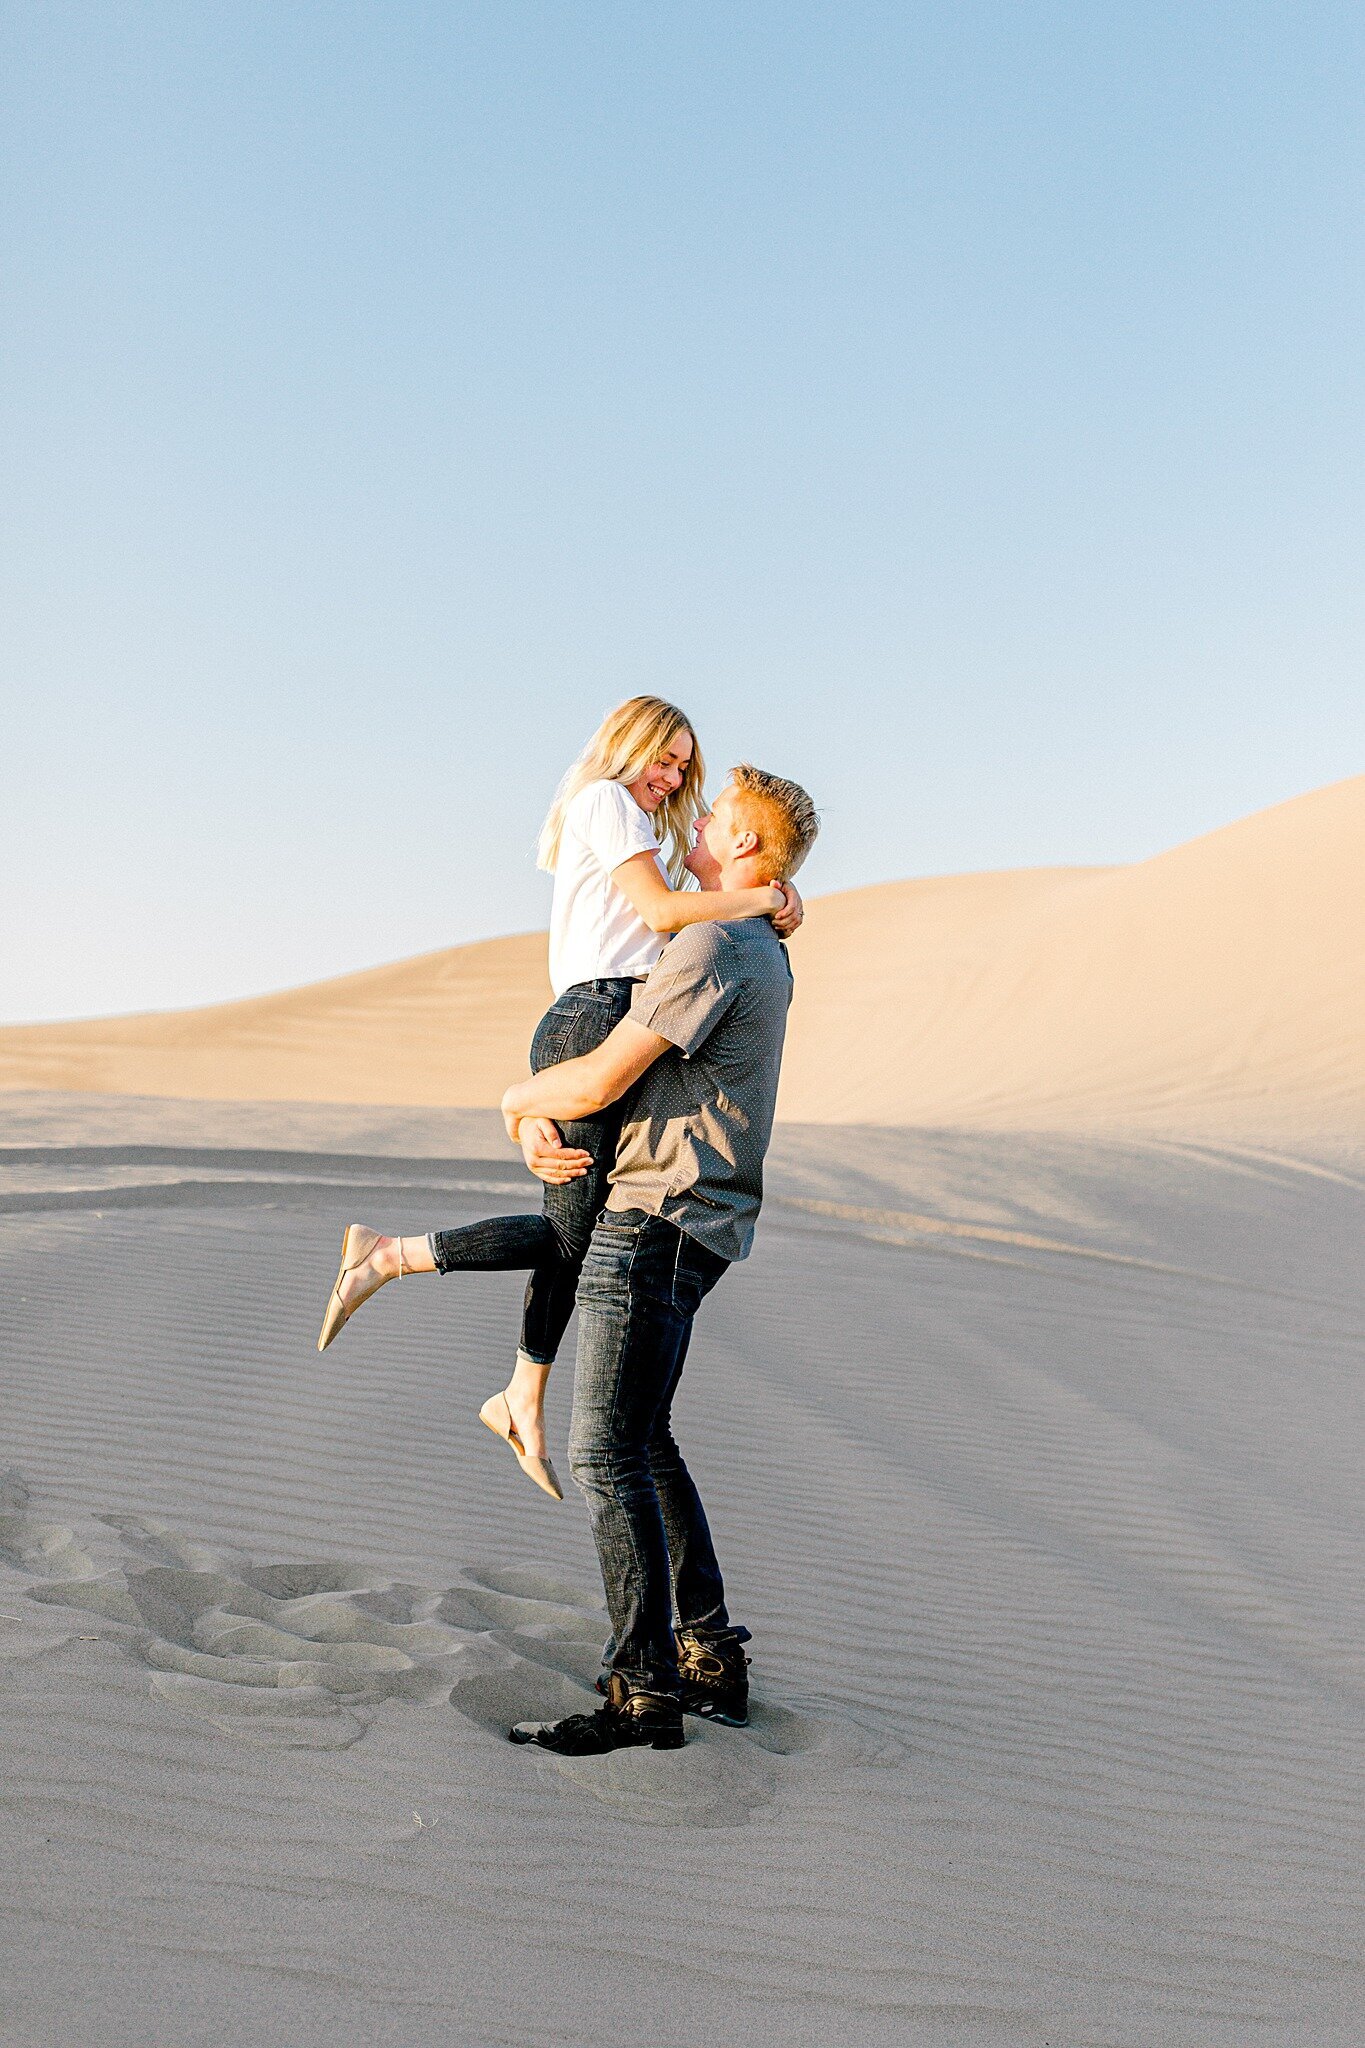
(394, 1257)
(383, 1257)
(527, 1384)
(525, 1398)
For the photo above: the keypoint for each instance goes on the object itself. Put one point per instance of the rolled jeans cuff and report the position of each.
(534, 1356)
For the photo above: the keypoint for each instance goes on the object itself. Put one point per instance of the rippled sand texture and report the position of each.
(1035, 1466)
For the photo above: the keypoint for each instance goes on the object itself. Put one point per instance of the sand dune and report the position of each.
(1218, 988)
(445, 1028)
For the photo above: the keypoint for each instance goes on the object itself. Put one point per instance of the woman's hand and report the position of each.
(789, 918)
(545, 1152)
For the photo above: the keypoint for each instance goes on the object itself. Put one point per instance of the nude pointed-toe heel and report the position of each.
(497, 1416)
(356, 1245)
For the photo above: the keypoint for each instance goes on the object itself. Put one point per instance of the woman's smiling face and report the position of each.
(663, 778)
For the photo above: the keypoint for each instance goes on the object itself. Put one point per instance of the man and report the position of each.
(702, 1050)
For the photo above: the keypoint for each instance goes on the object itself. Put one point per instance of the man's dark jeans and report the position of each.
(553, 1243)
(642, 1282)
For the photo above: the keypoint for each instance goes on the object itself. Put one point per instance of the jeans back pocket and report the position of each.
(574, 1025)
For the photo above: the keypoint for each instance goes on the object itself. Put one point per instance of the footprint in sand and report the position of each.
(32, 1549)
(718, 1779)
(47, 1549)
(302, 1655)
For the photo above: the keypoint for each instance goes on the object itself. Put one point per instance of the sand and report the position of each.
(1218, 989)
(1031, 1434)
(1034, 1461)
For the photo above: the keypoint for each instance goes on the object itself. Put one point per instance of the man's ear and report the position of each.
(744, 843)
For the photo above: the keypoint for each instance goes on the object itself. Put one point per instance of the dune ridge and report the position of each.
(1218, 988)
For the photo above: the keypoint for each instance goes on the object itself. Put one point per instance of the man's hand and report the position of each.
(786, 921)
(545, 1152)
(585, 1086)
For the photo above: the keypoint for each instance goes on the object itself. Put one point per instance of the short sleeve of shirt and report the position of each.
(689, 988)
(611, 824)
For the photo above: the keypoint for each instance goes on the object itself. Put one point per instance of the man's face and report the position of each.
(713, 837)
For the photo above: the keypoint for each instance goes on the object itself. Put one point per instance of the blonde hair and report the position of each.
(781, 813)
(629, 740)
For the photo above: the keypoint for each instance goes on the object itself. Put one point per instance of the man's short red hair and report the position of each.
(781, 813)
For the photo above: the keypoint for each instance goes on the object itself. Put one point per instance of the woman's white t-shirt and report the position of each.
(596, 932)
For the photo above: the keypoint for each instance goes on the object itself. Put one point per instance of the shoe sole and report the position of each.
(678, 1741)
(335, 1318)
(707, 1713)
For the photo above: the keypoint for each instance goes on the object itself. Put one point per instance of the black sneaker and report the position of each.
(715, 1679)
(629, 1720)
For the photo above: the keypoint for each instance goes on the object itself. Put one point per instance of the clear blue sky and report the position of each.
(957, 406)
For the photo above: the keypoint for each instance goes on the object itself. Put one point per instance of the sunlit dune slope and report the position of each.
(1217, 988)
(446, 1028)
(1220, 986)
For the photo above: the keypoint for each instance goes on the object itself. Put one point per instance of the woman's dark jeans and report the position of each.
(552, 1244)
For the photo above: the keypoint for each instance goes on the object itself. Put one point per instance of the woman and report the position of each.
(615, 839)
